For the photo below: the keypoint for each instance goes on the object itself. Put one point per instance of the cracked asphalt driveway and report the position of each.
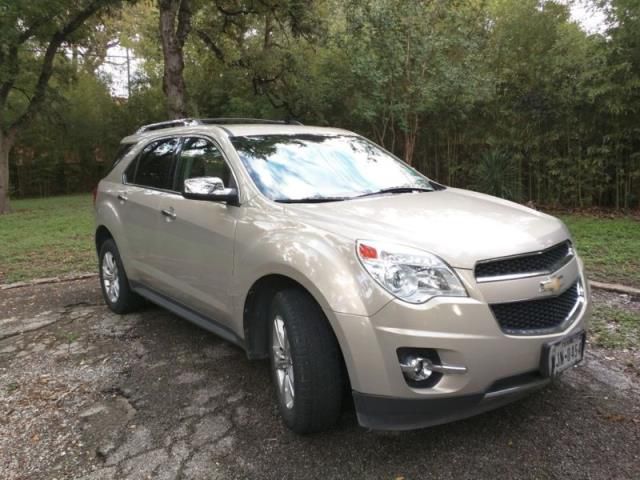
(86, 394)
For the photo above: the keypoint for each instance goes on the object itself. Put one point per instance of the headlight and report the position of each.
(408, 273)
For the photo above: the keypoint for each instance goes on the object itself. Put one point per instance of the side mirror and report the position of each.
(209, 188)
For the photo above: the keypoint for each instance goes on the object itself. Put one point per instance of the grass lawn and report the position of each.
(47, 237)
(610, 247)
(614, 327)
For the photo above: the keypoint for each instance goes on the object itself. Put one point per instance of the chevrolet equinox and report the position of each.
(356, 275)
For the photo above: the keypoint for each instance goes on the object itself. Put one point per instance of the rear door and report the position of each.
(196, 238)
(145, 179)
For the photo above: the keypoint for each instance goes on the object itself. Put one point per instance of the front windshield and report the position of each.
(317, 167)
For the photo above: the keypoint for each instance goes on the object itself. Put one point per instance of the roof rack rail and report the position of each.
(188, 122)
(257, 121)
(182, 122)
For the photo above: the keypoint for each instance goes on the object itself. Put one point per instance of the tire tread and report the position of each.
(317, 360)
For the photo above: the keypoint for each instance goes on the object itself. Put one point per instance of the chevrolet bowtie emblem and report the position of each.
(551, 285)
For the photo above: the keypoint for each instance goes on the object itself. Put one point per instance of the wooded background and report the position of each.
(508, 97)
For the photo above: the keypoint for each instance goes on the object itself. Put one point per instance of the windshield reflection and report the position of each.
(315, 167)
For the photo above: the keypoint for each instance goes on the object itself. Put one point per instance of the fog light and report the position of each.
(417, 369)
(423, 368)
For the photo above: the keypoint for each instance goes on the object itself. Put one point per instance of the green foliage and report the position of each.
(505, 96)
(28, 29)
(73, 143)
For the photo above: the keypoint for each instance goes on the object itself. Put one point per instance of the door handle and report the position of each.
(169, 213)
(123, 197)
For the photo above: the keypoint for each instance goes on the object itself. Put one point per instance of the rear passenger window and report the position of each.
(155, 165)
(201, 158)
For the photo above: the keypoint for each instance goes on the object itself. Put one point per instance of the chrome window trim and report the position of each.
(180, 137)
(515, 276)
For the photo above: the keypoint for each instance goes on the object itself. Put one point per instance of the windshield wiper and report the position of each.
(341, 199)
(396, 190)
(311, 199)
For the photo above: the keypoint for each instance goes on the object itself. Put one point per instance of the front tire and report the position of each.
(114, 282)
(306, 363)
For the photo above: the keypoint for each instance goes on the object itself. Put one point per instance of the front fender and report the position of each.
(323, 263)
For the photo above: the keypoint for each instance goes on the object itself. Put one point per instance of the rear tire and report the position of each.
(306, 363)
(114, 282)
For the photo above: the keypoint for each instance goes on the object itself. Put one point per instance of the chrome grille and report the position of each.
(528, 264)
(542, 315)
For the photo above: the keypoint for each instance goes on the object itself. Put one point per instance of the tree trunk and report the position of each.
(175, 23)
(6, 143)
(409, 146)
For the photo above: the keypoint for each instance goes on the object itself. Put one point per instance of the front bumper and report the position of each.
(388, 413)
(500, 367)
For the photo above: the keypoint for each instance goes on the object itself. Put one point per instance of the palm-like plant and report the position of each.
(496, 174)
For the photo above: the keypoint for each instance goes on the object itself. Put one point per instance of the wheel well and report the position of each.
(256, 319)
(102, 235)
(256, 312)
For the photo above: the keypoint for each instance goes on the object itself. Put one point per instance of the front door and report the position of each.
(196, 238)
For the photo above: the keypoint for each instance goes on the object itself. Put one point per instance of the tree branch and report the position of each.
(12, 62)
(184, 22)
(208, 41)
(46, 69)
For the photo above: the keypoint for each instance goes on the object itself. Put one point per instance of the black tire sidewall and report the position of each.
(317, 363)
(126, 301)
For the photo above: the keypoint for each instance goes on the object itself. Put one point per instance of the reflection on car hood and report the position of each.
(460, 226)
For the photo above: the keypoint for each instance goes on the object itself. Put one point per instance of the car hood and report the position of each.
(460, 226)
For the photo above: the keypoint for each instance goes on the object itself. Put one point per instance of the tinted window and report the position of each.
(155, 165)
(130, 172)
(201, 158)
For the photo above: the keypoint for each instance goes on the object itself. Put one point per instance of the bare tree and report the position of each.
(175, 25)
(20, 30)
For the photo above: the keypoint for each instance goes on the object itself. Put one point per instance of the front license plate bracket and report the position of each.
(562, 354)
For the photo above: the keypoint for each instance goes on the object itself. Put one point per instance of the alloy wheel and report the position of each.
(283, 363)
(110, 277)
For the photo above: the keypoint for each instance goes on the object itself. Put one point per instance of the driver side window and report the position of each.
(201, 158)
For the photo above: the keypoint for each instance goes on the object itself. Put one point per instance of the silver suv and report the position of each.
(353, 273)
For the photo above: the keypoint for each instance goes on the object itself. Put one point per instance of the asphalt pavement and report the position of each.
(86, 394)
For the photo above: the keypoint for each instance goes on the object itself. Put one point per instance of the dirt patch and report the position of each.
(612, 299)
(615, 324)
(92, 395)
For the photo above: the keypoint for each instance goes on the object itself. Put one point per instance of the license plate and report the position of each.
(563, 354)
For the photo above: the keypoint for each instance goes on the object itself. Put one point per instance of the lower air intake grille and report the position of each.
(530, 317)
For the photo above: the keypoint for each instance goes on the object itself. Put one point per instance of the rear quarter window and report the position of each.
(154, 166)
(123, 149)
